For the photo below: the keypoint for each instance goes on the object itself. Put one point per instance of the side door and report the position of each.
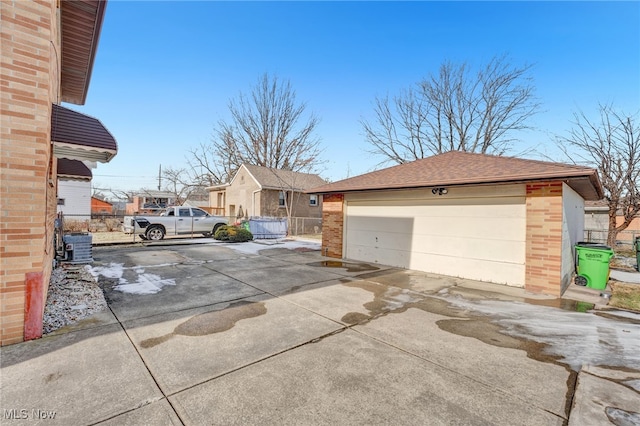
(201, 221)
(183, 220)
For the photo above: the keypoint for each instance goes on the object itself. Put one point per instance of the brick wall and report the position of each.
(332, 224)
(29, 84)
(543, 270)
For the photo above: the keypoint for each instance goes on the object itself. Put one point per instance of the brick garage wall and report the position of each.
(543, 270)
(29, 79)
(332, 224)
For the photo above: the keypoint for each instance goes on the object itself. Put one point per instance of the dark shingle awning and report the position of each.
(77, 136)
(73, 169)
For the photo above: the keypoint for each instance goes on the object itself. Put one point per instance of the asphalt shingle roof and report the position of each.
(73, 168)
(463, 168)
(72, 127)
(276, 178)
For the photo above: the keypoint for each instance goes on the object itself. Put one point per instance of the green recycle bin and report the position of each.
(592, 265)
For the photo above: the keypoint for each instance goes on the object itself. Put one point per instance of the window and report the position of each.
(313, 200)
(198, 212)
(184, 213)
(281, 199)
(61, 201)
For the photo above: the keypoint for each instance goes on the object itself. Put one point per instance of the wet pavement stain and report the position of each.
(52, 377)
(349, 266)
(564, 304)
(391, 299)
(211, 322)
(460, 322)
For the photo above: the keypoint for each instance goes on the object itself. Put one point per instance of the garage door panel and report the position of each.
(390, 240)
(497, 228)
(471, 248)
(482, 270)
(480, 239)
(375, 224)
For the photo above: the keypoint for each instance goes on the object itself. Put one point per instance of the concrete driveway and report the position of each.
(226, 334)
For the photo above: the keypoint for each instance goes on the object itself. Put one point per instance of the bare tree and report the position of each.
(211, 164)
(181, 183)
(454, 110)
(611, 144)
(268, 127)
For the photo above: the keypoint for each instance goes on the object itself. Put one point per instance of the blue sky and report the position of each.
(165, 71)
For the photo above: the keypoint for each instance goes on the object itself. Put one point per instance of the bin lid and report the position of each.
(592, 246)
(595, 247)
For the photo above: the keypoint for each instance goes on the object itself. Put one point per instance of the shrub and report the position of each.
(234, 234)
(74, 225)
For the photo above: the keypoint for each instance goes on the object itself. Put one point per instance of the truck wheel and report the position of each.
(155, 233)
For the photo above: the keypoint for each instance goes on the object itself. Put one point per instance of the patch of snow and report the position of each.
(578, 338)
(623, 314)
(635, 384)
(113, 270)
(253, 247)
(146, 284)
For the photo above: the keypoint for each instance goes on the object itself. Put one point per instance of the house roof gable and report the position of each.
(463, 168)
(268, 178)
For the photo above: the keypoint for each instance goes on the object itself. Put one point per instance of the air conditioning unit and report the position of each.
(78, 248)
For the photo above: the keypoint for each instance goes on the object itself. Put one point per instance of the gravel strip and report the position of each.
(73, 295)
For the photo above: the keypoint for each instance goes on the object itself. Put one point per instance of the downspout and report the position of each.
(253, 201)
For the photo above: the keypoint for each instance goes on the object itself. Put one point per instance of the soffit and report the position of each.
(81, 22)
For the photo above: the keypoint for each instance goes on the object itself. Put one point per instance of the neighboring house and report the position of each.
(257, 191)
(100, 207)
(497, 219)
(74, 189)
(596, 223)
(48, 50)
(150, 201)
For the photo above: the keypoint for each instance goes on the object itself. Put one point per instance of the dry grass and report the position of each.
(625, 296)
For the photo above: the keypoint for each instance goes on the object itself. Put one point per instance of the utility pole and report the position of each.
(159, 177)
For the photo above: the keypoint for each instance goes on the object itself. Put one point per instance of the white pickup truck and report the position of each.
(177, 220)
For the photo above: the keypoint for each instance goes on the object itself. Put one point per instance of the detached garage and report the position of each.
(497, 219)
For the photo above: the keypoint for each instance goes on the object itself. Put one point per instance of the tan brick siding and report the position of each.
(29, 84)
(543, 270)
(332, 224)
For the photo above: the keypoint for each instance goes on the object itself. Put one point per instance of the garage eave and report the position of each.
(583, 185)
(462, 168)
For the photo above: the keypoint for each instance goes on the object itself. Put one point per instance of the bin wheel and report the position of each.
(580, 280)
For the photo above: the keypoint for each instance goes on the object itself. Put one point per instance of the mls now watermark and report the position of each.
(33, 414)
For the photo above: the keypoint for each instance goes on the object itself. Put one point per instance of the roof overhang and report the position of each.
(219, 187)
(77, 136)
(588, 187)
(81, 22)
(73, 170)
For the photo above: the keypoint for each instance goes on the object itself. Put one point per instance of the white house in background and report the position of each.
(74, 189)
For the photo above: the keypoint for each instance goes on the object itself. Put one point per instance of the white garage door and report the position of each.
(480, 238)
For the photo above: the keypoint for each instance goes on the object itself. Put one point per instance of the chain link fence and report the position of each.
(111, 227)
(625, 239)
